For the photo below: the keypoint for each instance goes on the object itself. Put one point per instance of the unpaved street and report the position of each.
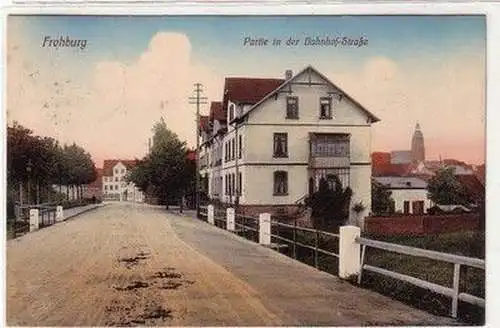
(128, 264)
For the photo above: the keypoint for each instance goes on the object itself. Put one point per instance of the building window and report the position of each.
(225, 152)
(231, 112)
(330, 145)
(233, 150)
(292, 107)
(116, 179)
(406, 207)
(225, 184)
(123, 170)
(240, 183)
(233, 184)
(325, 108)
(280, 183)
(240, 145)
(418, 207)
(280, 145)
(105, 187)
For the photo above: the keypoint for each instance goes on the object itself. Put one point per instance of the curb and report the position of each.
(84, 211)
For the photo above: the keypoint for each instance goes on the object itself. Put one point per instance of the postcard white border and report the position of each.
(491, 10)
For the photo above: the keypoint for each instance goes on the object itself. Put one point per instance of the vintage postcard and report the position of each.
(249, 170)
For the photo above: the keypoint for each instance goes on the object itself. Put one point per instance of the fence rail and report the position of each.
(350, 247)
(456, 260)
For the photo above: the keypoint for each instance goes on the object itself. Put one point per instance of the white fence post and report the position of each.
(349, 252)
(265, 229)
(34, 220)
(59, 214)
(230, 224)
(210, 214)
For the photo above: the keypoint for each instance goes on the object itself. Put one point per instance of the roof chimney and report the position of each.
(288, 74)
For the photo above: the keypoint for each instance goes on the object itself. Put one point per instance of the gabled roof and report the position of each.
(216, 111)
(312, 69)
(402, 182)
(109, 164)
(245, 90)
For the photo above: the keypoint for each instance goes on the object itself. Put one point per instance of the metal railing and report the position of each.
(220, 218)
(247, 226)
(47, 215)
(456, 260)
(293, 239)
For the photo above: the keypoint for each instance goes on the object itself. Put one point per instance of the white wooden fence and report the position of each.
(352, 251)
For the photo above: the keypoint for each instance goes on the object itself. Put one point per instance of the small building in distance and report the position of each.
(408, 193)
(114, 185)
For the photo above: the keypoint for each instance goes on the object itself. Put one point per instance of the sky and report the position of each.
(136, 69)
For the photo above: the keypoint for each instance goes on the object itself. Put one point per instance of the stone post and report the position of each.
(34, 220)
(230, 223)
(265, 229)
(349, 252)
(59, 214)
(210, 214)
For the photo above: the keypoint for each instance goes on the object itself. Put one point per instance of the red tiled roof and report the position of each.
(379, 158)
(247, 90)
(395, 170)
(216, 111)
(473, 186)
(110, 163)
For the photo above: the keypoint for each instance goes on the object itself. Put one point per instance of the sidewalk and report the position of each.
(75, 211)
(297, 293)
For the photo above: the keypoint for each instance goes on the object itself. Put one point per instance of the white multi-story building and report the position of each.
(114, 184)
(270, 141)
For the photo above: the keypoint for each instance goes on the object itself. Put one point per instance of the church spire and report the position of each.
(417, 145)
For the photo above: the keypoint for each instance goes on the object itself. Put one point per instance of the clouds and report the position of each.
(112, 110)
(109, 105)
(447, 98)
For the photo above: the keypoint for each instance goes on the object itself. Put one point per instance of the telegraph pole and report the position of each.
(197, 100)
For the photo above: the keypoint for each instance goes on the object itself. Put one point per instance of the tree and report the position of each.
(445, 189)
(382, 202)
(165, 170)
(35, 163)
(330, 204)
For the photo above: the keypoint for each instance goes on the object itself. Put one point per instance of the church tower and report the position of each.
(417, 145)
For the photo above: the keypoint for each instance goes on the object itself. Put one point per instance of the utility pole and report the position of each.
(197, 100)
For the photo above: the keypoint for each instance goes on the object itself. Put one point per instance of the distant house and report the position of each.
(114, 184)
(409, 193)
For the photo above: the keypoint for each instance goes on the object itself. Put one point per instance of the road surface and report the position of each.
(135, 265)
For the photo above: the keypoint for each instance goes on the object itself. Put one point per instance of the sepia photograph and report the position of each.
(245, 170)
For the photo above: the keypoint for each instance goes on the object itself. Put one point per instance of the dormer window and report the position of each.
(232, 109)
(325, 108)
(292, 107)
